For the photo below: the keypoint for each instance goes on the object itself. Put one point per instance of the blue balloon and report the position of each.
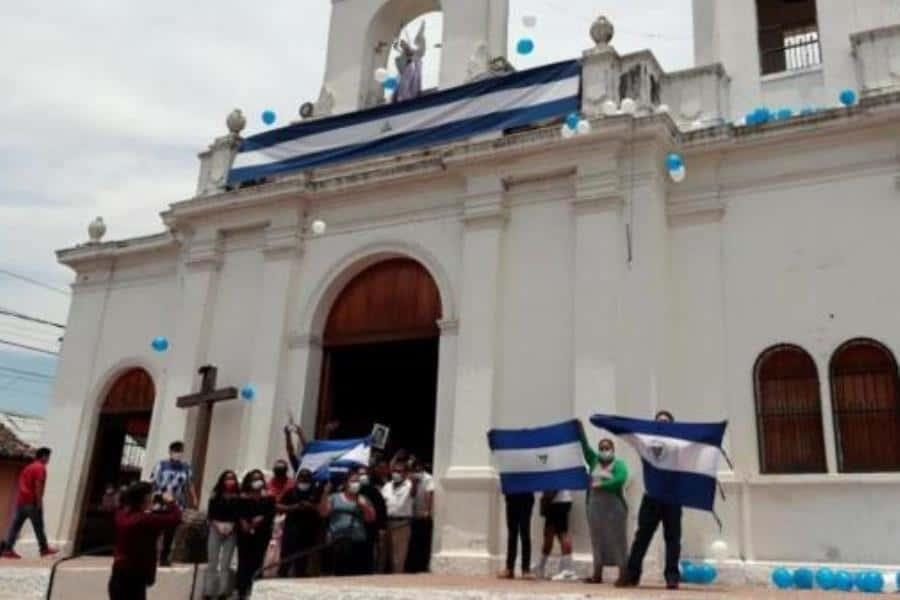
(859, 581)
(160, 344)
(525, 46)
(391, 83)
(248, 392)
(825, 579)
(782, 578)
(784, 114)
(269, 117)
(848, 97)
(843, 581)
(762, 115)
(803, 579)
(572, 120)
(690, 573)
(674, 161)
(874, 582)
(708, 574)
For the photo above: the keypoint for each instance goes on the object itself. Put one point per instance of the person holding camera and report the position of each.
(137, 529)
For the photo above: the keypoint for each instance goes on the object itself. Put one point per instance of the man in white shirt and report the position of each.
(419, 559)
(398, 497)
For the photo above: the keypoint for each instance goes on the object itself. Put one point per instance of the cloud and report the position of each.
(106, 103)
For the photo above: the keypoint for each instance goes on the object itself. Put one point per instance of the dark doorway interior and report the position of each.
(393, 383)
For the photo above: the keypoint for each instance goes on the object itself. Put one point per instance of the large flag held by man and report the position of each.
(681, 460)
(322, 456)
(543, 458)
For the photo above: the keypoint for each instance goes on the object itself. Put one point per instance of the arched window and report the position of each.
(866, 399)
(789, 412)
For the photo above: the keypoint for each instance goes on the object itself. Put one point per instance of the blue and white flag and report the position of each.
(681, 460)
(323, 456)
(534, 460)
(492, 104)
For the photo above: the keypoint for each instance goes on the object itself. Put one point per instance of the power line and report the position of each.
(40, 284)
(27, 347)
(24, 317)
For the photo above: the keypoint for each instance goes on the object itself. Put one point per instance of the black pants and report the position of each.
(291, 544)
(168, 536)
(126, 586)
(251, 550)
(518, 524)
(418, 559)
(26, 512)
(352, 557)
(651, 514)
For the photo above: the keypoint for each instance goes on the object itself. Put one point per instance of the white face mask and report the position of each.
(258, 484)
(353, 487)
(397, 477)
(303, 487)
(606, 455)
(364, 479)
(177, 456)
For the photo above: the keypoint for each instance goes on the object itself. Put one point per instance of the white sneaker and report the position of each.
(566, 575)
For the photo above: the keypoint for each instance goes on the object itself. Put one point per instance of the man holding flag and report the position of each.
(681, 462)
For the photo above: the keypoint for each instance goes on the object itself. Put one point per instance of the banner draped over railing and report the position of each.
(494, 104)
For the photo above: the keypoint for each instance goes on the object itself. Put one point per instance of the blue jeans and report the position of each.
(31, 512)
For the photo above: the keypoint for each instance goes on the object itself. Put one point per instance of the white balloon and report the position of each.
(319, 226)
(662, 109)
(719, 549)
(890, 583)
(679, 174)
(609, 108)
(567, 132)
(381, 75)
(629, 106)
(584, 127)
(529, 21)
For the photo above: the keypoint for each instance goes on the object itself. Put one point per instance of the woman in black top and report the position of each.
(256, 516)
(223, 513)
(302, 524)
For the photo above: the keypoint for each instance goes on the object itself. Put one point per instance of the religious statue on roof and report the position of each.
(409, 66)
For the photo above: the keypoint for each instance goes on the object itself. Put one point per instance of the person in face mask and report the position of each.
(347, 512)
(419, 557)
(175, 478)
(607, 511)
(223, 513)
(376, 529)
(257, 514)
(302, 524)
(279, 483)
(398, 496)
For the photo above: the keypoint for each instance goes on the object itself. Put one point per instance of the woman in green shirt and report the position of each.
(606, 507)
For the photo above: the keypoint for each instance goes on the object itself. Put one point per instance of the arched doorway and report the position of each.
(380, 357)
(118, 455)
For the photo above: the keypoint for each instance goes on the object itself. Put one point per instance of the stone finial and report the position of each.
(96, 230)
(602, 32)
(236, 121)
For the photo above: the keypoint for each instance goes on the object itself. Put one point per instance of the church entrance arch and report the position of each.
(380, 357)
(118, 454)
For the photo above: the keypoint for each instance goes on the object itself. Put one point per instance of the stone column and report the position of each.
(216, 161)
(599, 256)
(199, 274)
(76, 403)
(260, 438)
(470, 480)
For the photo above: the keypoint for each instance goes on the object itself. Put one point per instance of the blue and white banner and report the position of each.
(534, 460)
(323, 456)
(493, 104)
(681, 460)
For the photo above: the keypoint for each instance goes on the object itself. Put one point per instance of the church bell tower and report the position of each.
(362, 31)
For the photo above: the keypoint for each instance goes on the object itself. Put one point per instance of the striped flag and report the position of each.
(681, 460)
(534, 460)
(492, 104)
(323, 456)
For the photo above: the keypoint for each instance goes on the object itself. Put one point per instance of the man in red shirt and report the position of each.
(30, 506)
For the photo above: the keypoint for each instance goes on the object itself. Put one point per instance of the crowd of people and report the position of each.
(607, 513)
(374, 518)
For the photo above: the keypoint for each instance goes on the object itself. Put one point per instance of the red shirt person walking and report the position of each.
(30, 506)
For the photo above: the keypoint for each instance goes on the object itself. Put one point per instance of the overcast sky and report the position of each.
(106, 103)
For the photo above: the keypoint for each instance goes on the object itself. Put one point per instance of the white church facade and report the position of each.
(521, 279)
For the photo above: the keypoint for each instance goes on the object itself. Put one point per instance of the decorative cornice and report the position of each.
(704, 207)
(599, 191)
(282, 242)
(204, 254)
(296, 341)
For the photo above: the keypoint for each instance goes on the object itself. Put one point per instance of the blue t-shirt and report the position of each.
(172, 477)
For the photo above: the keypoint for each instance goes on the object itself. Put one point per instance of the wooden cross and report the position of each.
(204, 400)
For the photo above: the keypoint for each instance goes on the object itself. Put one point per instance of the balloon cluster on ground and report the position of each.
(698, 573)
(160, 344)
(871, 582)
